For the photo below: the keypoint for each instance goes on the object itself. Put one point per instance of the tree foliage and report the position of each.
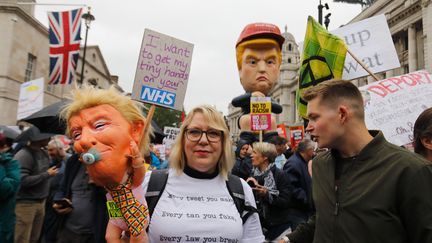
(166, 117)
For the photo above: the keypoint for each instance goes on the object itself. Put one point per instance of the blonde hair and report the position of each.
(257, 44)
(215, 120)
(267, 150)
(88, 96)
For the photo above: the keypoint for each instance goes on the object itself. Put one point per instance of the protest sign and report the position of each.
(296, 135)
(260, 113)
(30, 98)
(162, 150)
(392, 105)
(170, 135)
(281, 130)
(371, 42)
(163, 70)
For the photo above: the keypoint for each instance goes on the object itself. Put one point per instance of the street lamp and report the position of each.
(327, 20)
(320, 11)
(88, 17)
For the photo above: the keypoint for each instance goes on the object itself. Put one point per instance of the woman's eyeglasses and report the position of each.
(213, 135)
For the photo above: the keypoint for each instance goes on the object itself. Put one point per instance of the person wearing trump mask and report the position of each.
(108, 133)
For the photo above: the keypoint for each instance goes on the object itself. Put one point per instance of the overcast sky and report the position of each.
(212, 26)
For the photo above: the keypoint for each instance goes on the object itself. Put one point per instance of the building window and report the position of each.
(31, 65)
(92, 82)
(289, 60)
(405, 42)
(289, 47)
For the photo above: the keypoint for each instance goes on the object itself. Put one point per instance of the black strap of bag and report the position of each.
(159, 178)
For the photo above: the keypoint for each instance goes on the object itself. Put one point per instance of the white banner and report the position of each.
(30, 98)
(392, 105)
(163, 70)
(370, 41)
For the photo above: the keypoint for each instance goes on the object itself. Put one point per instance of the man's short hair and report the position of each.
(335, 92)
(305, 145)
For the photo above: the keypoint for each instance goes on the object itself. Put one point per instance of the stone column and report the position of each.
(412, 49)
(427, 32)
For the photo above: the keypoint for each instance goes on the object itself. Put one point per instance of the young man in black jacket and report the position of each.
(365, 189)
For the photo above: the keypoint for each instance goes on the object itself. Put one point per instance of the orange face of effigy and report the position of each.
(260, 69)
(104, 129)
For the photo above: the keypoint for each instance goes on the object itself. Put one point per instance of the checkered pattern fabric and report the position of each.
(135, 213)
(323, 58)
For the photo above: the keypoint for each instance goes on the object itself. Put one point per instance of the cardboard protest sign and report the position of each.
(260, 113)
(170, 135)
(296, 135)
(30, 98)
(370, 41)
(392, 105)
(281, 130)
(162, 150)
(163, 70)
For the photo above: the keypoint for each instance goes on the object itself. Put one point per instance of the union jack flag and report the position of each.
(64, 47)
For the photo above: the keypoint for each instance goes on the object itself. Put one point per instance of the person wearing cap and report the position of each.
(35, 175)
(259, 56)
(9, 185)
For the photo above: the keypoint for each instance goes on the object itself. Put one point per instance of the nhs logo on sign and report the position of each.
(157, 96)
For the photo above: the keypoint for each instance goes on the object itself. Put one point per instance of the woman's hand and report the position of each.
(252, 182)
(261, 190)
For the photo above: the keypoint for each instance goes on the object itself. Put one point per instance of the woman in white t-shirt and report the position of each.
(195, 205)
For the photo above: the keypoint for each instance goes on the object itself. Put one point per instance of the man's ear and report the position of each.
(343, 113)
(137, 131)
(427, 143)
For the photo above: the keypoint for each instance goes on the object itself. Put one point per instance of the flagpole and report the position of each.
(88, 19)
(363, 65)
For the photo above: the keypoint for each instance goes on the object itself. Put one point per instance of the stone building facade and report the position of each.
(24, 57)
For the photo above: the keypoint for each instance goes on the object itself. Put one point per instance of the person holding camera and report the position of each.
(272, 190)
(58, 156)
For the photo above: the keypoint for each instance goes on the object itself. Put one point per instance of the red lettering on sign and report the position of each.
(387, 85)
(378, 90)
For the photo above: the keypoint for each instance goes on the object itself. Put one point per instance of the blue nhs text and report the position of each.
(157, 96)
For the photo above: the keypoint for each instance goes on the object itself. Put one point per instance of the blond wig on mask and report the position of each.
(88, 96)
(214, 120)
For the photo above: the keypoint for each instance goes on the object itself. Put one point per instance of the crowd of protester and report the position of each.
(45, 174)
